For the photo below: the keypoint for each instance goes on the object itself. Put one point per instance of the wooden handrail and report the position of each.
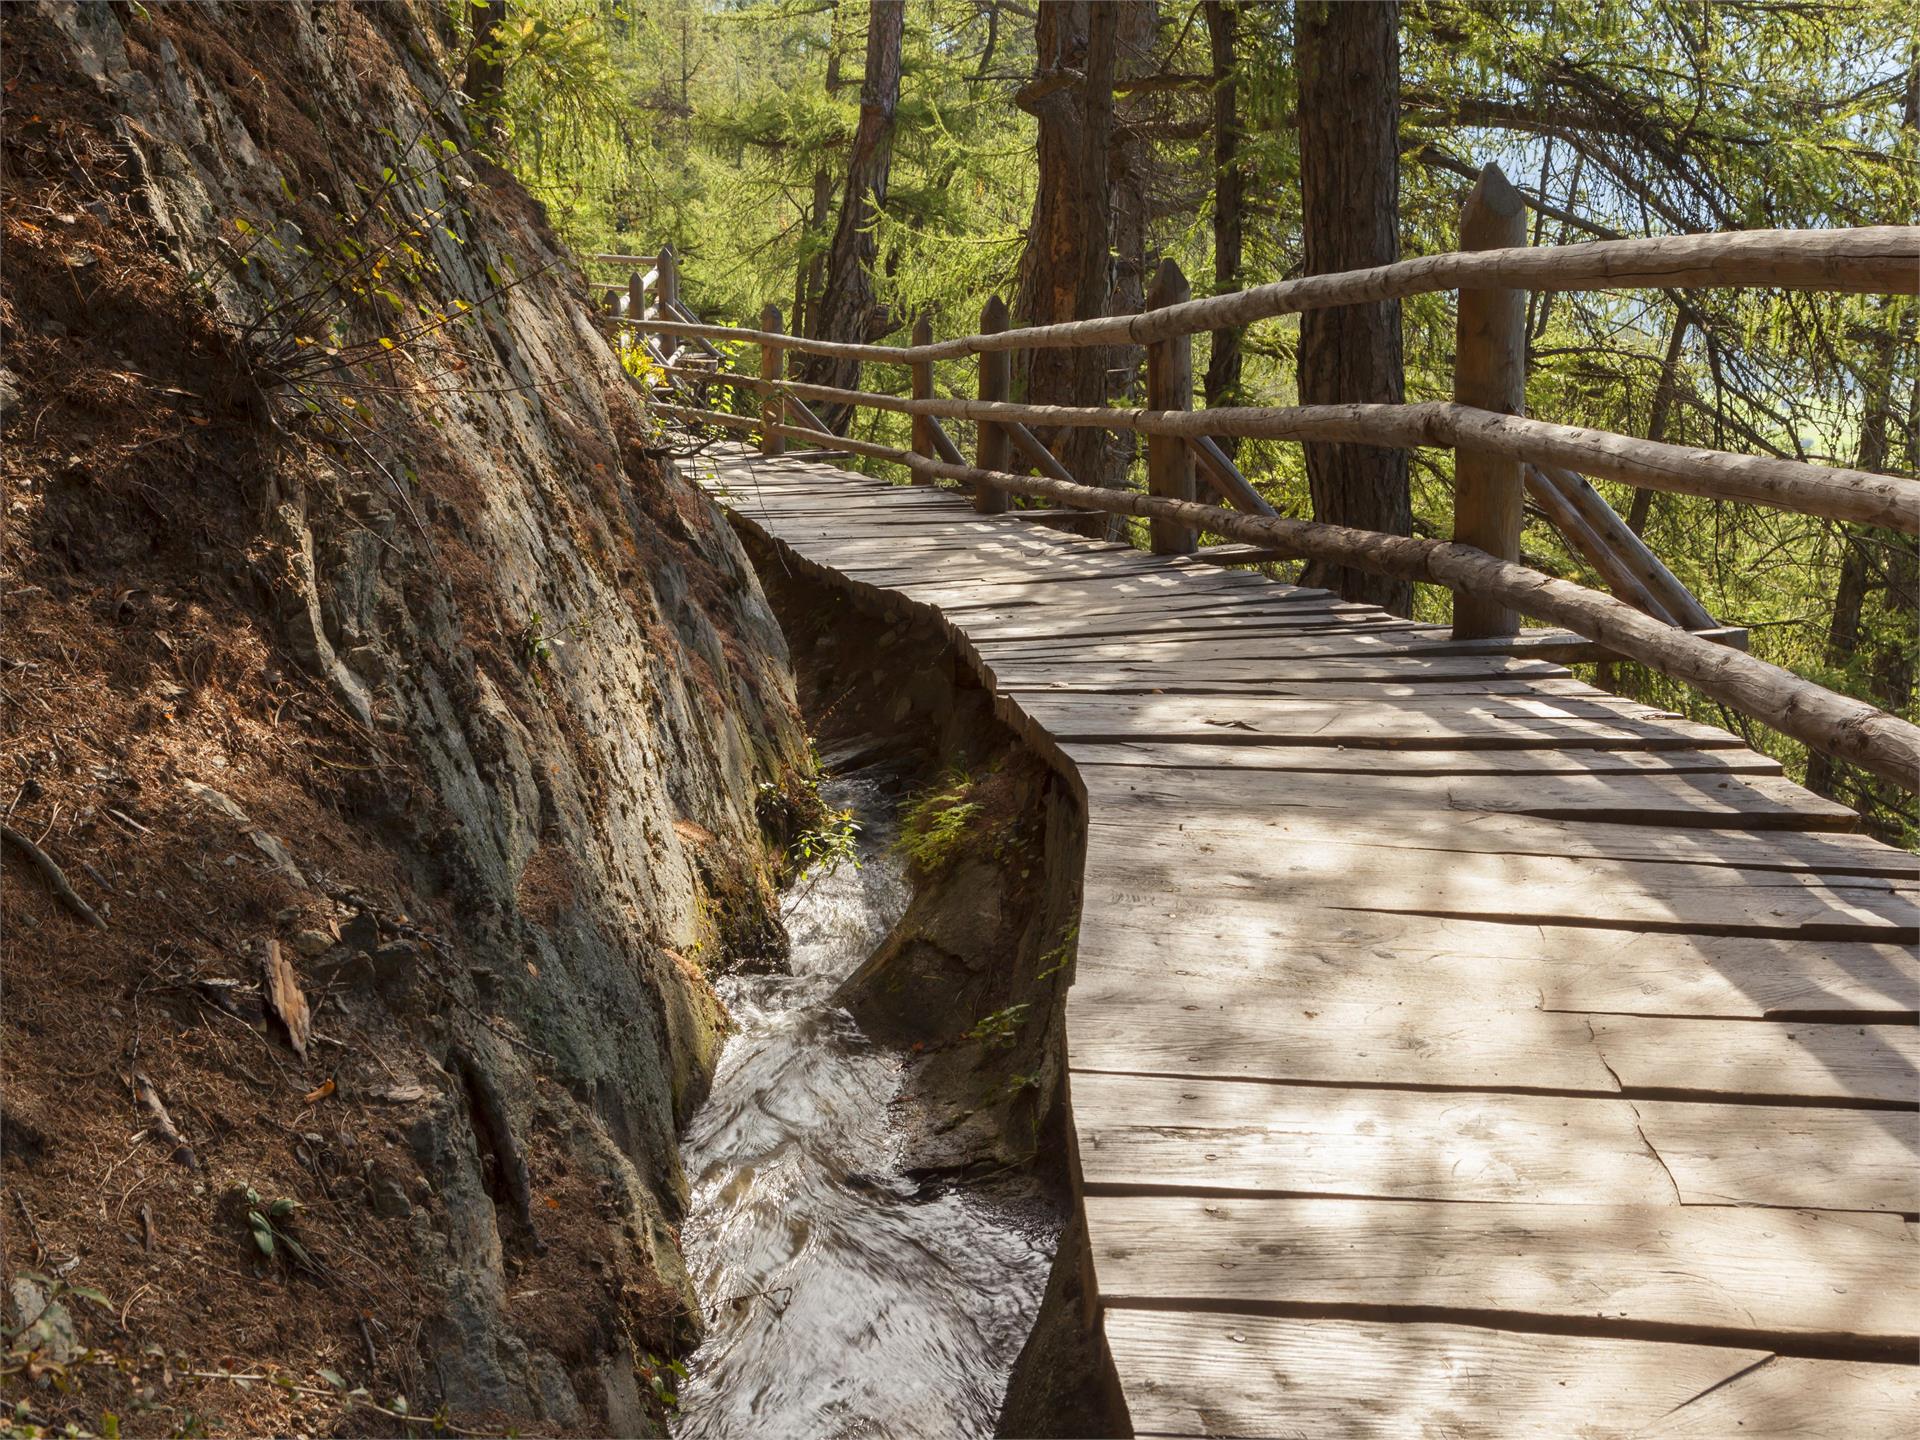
(1838, 725)
(647, 260)
(1855, 495)
(1874, 260)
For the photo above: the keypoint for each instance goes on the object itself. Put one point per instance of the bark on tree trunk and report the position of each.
(1222, 382)
(1348, 58)
(1856, 565)
(486, 71)
(847, 310)
(1064, 272)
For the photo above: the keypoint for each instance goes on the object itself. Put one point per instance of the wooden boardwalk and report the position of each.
(1455, 1049)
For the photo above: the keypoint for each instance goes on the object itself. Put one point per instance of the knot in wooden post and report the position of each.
(922, 373)
(993, 450)
(772, 403)
(1489, 373)
(1170, 387)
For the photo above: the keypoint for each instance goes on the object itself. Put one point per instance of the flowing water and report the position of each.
(841, 1300)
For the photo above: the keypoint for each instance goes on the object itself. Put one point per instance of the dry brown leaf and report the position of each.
(321, 1092)
(284, 998)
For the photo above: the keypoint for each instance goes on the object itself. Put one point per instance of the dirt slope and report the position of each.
(346, 612)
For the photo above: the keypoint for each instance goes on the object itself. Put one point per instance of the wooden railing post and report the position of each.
(773, 406)
(922, 372)
(994, 451)
(1170, 387)
(1490, 373)
(667, 288)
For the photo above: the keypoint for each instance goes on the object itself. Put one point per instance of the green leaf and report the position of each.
(332, 1378)
(282, 1208)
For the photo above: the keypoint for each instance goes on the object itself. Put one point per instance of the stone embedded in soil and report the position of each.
(46, 1327)
(311, 942)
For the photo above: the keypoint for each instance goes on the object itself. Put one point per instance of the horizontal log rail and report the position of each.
(1859, 496)
(1873, 260)
(1849, 729)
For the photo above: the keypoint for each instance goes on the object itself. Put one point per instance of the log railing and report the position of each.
(1502, 458)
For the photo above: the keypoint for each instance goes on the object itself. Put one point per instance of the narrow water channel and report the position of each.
(841, 1299)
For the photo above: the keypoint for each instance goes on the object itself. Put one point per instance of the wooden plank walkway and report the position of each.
(1455, 1049)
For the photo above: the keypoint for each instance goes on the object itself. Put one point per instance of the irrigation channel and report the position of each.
(844, 1298)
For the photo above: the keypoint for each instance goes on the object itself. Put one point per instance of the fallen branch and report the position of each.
(56, 878)
(163, 1125)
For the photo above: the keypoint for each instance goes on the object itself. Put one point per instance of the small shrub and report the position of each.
(936, 821)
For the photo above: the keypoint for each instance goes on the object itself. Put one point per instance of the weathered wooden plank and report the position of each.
(1419, 1039)
(1557, 830)
(1316, 634)
(1364, 1380)
(1451, 723)
(1829, 1159)
(1229, 1137)
(1741, 1275)
(1280, 967)
(1790, 1398)
(1427, 1037)
(1290, 878)
(1773, 1059)
(1177, 756)
(1200, 683)
(1094, 673)
(1223, 1136)
(1260, 803)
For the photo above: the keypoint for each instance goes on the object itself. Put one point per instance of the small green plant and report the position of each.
(536, 648)
(830, 844)
(1058, 958)
(818, 852)
(936, 821)
(658, 1373)
(268, 1221)
(998, 1030)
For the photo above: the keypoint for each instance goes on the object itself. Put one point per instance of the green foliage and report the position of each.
(999, 1030)
(830, 844)
(937, 821)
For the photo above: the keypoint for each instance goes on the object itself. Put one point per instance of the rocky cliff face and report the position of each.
(353, 617)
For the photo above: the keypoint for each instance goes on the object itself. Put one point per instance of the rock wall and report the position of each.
(354, 610)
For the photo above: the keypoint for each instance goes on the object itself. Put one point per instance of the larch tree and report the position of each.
(1348, 60)
(1222, 383)
(847, 309)
(1065, 274)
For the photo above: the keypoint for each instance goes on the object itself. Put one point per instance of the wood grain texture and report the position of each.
(1233, 1375)
(1759, 1275)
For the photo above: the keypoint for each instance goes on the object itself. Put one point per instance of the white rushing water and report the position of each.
(839, 1303)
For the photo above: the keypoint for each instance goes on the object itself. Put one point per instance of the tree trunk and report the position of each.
(847, 310)
(1348, 60)
(1222, 382)
(486, 70)
(1856, 565)
(1640, 508)
(1064, 272)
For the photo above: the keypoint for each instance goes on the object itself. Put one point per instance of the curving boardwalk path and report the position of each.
(1455, 1049)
